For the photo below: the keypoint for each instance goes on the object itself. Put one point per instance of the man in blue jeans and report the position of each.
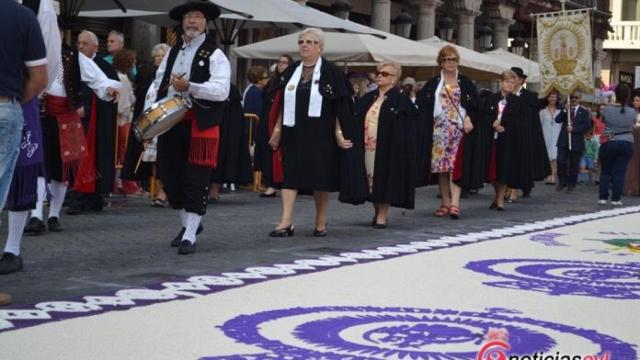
(23, 75)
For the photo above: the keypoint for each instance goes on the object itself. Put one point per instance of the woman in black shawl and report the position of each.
(263, 155)
(321, 148)
(507, 166)
(387, 119)
(449, 134)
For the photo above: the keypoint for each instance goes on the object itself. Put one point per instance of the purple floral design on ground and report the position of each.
(564, 277)
(548, 239)
(363, 333)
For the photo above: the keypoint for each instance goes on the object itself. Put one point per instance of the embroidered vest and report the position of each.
(208, 113)
(71, 80)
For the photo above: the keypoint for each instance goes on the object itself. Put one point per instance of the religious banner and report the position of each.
(565, 56)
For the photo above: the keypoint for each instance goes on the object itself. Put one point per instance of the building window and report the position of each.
(630, 10)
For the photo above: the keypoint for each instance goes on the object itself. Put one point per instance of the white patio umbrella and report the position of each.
(347, 47)
(530, 67)
(470, 58)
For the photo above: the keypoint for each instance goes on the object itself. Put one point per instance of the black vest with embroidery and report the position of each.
(72, 81)
(208, 113)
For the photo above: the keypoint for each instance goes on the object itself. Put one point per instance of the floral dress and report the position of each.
(370, 139)
(447, 133)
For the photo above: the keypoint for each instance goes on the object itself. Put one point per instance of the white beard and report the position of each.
(191, 33)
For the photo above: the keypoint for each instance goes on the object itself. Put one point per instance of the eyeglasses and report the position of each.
(574, 97)
(283, 62)
(384, 74)
(451, 59)
(308, 42)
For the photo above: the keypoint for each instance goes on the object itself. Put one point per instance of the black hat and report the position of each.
(519, 72)
(210, 10)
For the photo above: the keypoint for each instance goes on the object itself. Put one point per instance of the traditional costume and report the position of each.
(188, 152)
(389, 147)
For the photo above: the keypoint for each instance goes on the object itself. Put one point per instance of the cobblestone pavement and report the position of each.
(127, 245)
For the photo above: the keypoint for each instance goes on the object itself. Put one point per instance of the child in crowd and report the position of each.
(588, 163)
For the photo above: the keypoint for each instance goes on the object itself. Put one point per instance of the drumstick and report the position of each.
(138, 164)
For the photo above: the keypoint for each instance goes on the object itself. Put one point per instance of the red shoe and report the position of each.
(454, 212)
(442, 211)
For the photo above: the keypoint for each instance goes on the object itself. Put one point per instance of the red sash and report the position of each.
(88, 163)
(278, 173)
(204, 144)
(73, 146)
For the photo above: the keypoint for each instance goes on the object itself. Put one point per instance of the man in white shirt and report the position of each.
(64, 140)
(194, 68)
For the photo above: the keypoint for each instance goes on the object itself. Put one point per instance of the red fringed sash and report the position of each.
(204, 144)
(73, 146)
(87, 170)
(278, 173)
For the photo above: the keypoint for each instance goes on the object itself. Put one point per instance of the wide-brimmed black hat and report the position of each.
(210, 10)
(519, 72)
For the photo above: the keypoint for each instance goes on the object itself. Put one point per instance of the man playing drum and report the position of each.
(187, 153)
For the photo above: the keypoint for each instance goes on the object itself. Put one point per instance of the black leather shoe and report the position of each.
(186, 247)
(10, 263)
(288, 231)
(320, 233)
(35, 226)
(178, 239)
(493, 206)
(380, 226)
(53, 224)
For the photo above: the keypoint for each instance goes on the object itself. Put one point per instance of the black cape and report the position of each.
(234, 160)
(513, 151)
(263, 154)
(541, 166)
(316, 153)
(106, 126)
(474, 159)
(394, 177)
(145, 77)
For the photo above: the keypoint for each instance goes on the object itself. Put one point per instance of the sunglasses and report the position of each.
(450, 59)
(384, 74)
(308, 42)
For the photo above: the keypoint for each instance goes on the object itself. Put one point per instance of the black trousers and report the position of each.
(568, 165)
(186, 185)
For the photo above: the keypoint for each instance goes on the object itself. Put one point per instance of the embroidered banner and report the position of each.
(564, 40)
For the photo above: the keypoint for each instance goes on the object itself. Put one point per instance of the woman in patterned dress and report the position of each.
(387, 119)
(448, 104)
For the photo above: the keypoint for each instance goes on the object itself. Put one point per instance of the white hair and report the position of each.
(318, 34)
(92, 37)
(162, 46)
(118, 35)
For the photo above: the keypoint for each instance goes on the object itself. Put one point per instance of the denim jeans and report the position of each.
(614, 158)
(11, 122)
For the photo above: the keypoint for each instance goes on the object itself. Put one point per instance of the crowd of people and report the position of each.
(375, 138)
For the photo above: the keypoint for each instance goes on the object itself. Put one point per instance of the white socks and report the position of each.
(42, 194)
(193, 221)
(183, 217)
(58, 191)
(17, 221)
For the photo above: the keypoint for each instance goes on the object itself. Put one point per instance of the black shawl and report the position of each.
(234, 161)
(474, 160)
(394, 178)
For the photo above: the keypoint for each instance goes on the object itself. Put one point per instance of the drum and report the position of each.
(160, 117)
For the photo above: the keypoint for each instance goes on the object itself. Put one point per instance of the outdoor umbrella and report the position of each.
(530, 67)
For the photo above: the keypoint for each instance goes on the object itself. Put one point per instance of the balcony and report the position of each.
(626, 35)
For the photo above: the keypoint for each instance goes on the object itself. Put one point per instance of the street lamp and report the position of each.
(517, 46)
(485, 36)
(445, 28)
(517, 30)
(402, 24)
